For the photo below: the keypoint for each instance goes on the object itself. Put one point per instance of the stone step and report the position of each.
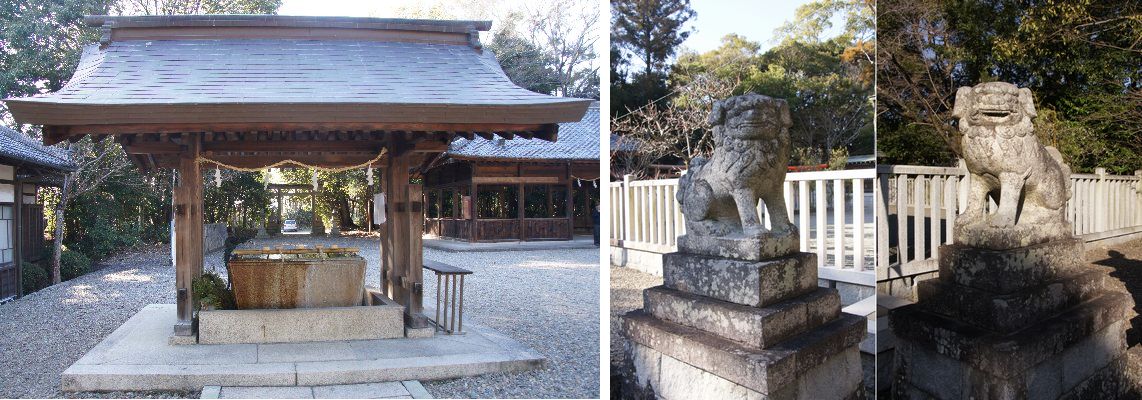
(752, 283)
(1004, 354)
(764, 371)
(378, 390)
(1014, 311)
(1008, 271)
(759, 327)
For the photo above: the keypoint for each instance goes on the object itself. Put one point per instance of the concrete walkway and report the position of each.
(382, 390)
(580, 242)
(139, 357)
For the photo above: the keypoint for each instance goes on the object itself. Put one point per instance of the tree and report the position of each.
(526, 64)
(566, 30)
(41, 43)
(191, 7)
(650, 29)
(1079, 58)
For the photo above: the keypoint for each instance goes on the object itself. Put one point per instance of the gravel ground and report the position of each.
(46, 331)
(548, 300)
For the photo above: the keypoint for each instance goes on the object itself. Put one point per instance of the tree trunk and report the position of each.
(57, 237)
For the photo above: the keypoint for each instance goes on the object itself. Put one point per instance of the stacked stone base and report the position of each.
(731, 328)
(1028, 323)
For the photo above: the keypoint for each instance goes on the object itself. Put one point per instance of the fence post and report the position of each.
(625, 191)
(1138, 198)
(881, 213)
(1101, 214)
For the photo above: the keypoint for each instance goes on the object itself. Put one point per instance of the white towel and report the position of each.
(379, 209)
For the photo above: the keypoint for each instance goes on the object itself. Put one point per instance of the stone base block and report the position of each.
(661, 376)
(1014, 311)
(1007, 271)
(1096, 368)
(984, 235)
(419, 333)
(753, 326)
(755, 248)
(384, 319)
(767, 371)
(938, 357)
(752, 283)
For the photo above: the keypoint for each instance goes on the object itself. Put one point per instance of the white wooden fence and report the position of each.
(921, 203)
(645, 216)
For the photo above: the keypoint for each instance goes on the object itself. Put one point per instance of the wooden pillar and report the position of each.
(188, 231)
(521, 197)
(570, 206)
(18, 231)
(473, 197)
(403, 263)
(415, 267)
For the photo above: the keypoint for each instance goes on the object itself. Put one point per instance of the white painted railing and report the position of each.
(921, 203)
(646, 216)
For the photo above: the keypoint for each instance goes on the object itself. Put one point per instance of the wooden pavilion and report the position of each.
(25, 166)
(522, 188)
(242, 91)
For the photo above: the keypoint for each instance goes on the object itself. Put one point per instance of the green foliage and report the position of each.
(212, 293)
(73, 264)
(525, 63)
(241, 200)
(40, 43)
(1080, 58)
(34, 277)
(650, 30)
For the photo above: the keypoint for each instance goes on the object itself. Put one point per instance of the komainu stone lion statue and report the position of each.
(719, 195)
(1029, 181)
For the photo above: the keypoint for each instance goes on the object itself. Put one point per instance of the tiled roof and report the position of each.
(264, 69)
(577, 141)
(16, 147)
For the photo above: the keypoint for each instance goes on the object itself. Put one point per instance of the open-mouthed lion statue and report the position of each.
(719, 195)
(1029, 181)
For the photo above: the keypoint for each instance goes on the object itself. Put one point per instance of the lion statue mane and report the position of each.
(719, 194)
(1007, 163)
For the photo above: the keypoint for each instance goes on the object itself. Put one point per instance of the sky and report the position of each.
(755, 20)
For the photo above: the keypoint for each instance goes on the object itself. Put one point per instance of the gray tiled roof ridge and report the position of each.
(577, 141)
(263, 20)
(22, 148)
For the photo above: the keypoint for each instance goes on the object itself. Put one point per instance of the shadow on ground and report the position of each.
(1125, 263)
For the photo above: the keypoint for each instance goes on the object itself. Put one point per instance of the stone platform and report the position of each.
(1028, 323)
(138, 357)
(734, 328)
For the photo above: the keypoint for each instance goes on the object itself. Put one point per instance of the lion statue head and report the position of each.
(995, 108)
(750, 116)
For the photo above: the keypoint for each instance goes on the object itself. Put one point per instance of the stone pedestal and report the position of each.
(1032, 322)
(738, 328)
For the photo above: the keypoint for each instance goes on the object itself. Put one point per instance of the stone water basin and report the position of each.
(297, 278)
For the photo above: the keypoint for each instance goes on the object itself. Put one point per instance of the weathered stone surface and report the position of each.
(1004, 158)
(719, 195)
(1014, 311)
(1007, 271)
(760, 370)
(837, 377)
(761, 247)
(754, 283)
(753, 326)
(1081, 368)
(301, 324)
(1006, 355)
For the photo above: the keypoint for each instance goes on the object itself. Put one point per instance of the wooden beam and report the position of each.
(307, 146)
(153, 148)
(516, 179)
(188, 233)
(409, 129)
